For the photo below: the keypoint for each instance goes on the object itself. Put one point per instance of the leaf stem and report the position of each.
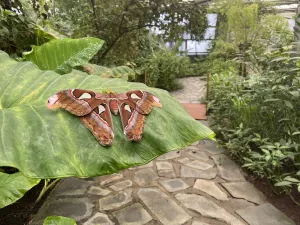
(46, 188)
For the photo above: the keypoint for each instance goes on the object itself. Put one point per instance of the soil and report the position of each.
(281, 201)
(22, 211)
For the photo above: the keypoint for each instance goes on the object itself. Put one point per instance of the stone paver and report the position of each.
(207, 208)
(76, 208)
(227, 168)
(133, 215)
(199, 223)
(185, 95)
(200, 165)
(115, 201)
(265, 214)
(167, 173)
(165, 208)
(184, 160)
(172, 185)
(145, 176)
(236, 204)
(164, 166)
(196, 154)
(199, 185)
(121, 185)
(110, 178)
(94, 190)
(210, 188)
(99, 218)
(203, 174)
(213, 148)
(246, 191)
(169, 155)
(72, 186)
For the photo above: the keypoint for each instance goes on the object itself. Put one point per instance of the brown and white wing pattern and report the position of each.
(76, 101)
(99, 122)
(143, 101)
(92, 109)
(132, 121)
(133, 107)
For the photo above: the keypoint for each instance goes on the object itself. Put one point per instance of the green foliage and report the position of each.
(121, 24)
(243, 22)
(163, 67)
(246, 32)
(22, 25)
(219, 60)
(58, 220)
(13, 187)
(53, 144)
(64, 54)
(258, 118)
(123, 72)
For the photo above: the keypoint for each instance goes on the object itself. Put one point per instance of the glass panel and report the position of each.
(203, 46)
(191, 46)
(212, 19)
(210, 33)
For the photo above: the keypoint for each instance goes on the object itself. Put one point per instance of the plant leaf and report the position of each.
(115, 72)
(58, 220)
(291, 179)
(63, 54)
(283, 183)
(295, 93)
(46, 33)
(13, 187)
(288, 104)
(50, 144)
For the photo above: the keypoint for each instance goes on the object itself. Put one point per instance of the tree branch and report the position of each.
(109, 47)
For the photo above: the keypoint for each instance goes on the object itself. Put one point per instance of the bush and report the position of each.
(163, 67)
(258, 120)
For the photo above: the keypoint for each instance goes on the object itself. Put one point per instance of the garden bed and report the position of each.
(282, 202)
(22, 211)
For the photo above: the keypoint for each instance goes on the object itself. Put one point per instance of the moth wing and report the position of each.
(143, 101)
(99, 122)
(132, 121)
(76, 101)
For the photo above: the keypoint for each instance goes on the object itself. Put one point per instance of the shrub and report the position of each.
(258, 119)
(163, 67)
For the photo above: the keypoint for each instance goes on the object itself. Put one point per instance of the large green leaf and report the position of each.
(123, 72)
(46, 33)
(45, 144)
(63, 54)
(58, 220)
(13, 187)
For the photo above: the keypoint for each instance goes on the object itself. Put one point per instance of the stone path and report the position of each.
(194, 89)
(199, 185)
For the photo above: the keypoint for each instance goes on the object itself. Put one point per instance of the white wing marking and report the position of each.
(126, 107)
(101, 109)
(85, 96)
(134, 96)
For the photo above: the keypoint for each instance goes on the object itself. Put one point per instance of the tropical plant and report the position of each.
(44, 144)
(22, 24)
(247, 31)
(123, 23)
(257, 118)
(62, 55)
(123, 72)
